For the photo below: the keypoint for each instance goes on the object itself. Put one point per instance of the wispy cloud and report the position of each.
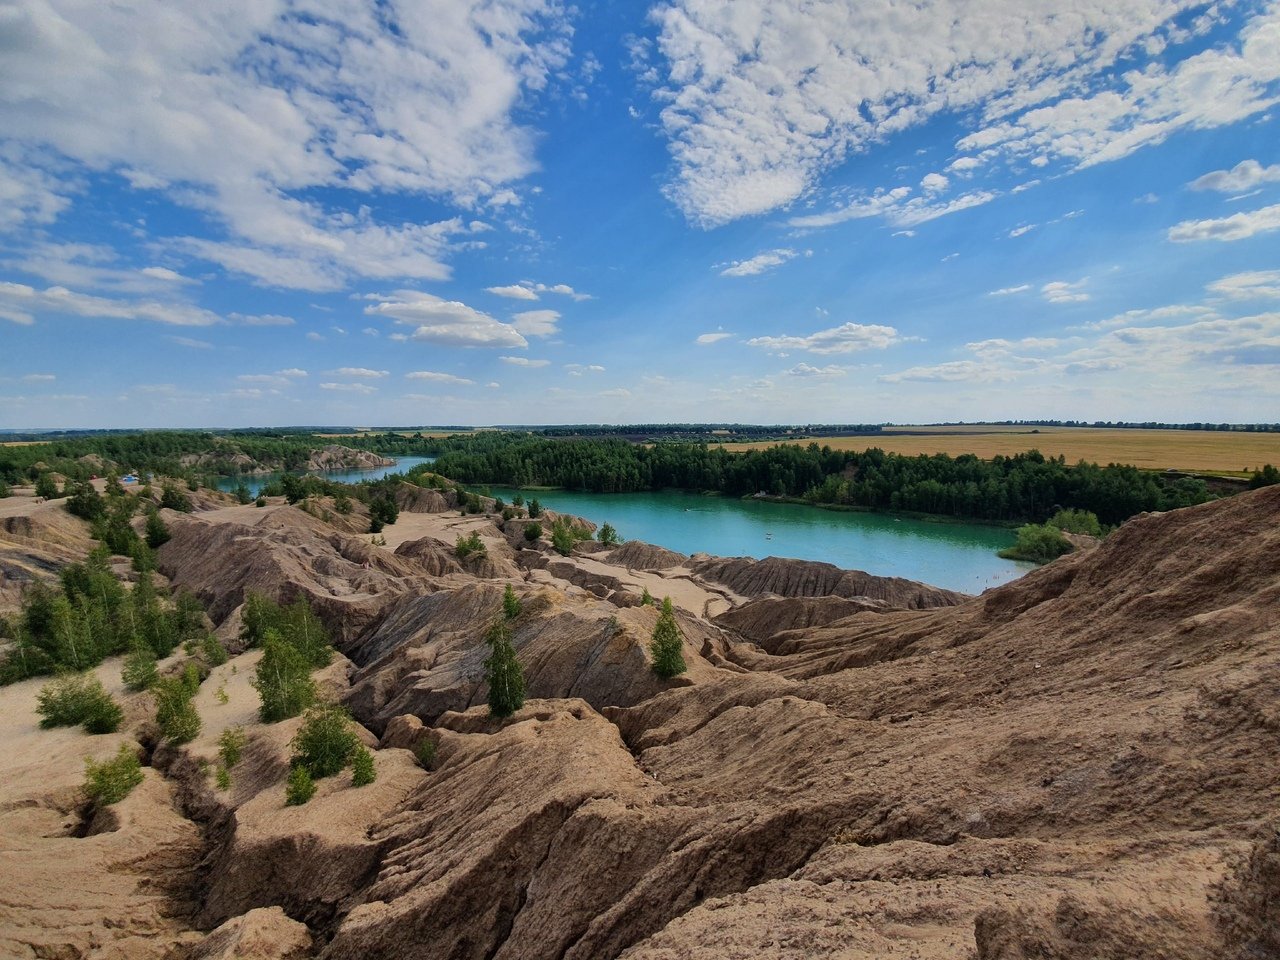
(846, 338)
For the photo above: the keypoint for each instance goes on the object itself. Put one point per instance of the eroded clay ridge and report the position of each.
(1083, 763)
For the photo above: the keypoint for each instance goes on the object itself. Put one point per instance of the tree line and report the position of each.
(1027, 487)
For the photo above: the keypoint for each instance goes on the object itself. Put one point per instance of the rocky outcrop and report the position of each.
(336, 457)
(262, 934)
(807, 578)
(637, 555)
(761, 620)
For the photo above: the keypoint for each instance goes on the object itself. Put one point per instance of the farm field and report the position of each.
(1204, 450)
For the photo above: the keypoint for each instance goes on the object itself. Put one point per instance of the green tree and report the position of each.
(502, 672)
(667, 646)
(283, 680)
(231, 745)
(157, 530)
(175, 499)
(608, 535)
(646, 598)
(85, 502)
(533, 532)
(1076, 521)
(176, 715)
(325, 742)
(139, 671)
(47, 487)
(535, 509)
(511, 605)
(363, 772)
(300, 787)
(1038, 543)
(1265, 477)
(112, 780)
(242, 494)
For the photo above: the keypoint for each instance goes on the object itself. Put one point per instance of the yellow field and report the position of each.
(1151, 449)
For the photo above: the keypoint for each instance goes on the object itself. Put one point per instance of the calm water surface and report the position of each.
(256, 483)
(955, 556)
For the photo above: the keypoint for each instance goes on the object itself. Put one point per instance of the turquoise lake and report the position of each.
(955, 556)
(256, 483)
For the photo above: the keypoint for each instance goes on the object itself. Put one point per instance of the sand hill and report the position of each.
(1083, 763)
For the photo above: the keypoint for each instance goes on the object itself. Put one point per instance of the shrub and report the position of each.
(157, 530)
(261, 501)
(1265, 477)
(176, 715)
(214, 653)
(112, 780)
(667, 646)
(511, 605)
(296, 624)
(533, 532)
(562, 538)
(502, 672)
(469, 546)
(325, 742)
(425, 753)
(85, 502)
(175, 499)
(78, 699)
(1038, 543)
(608, 535)
(47, 487)
(300, 787)
(231, 745)
(242, 493)
(535, 509)
(1076, 521)
(383, 511)
(517, 501)
(283, 680)
(363, 772)
(139, 671)
(223, 778)
(646, 598)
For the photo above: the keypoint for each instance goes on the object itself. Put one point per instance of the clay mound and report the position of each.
(427, 655)
(414, 499)
(287, 555)
(262, 934)
(433, 557)
(1249, 914)
(808, 578)
(761, 620)
(637, 555)
(35, 546)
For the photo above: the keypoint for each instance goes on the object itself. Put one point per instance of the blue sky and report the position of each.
(519, 211)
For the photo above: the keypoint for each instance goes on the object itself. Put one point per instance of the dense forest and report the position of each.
(1026, 487)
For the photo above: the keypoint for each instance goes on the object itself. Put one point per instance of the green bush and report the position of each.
(646, 598)
(242, 494)
(297, 625)
(139, 671)
(470, 546)
(157, 530)
(47, 487)
(608, 535)
(502, 672)
(78, 699)
(1076, 521)
(85, 502)
(223, 778)
(533, 532)
(667, 645)
(112, 780)
(425, 753)
(175, 499)
(325, 742)
(535, 509)
(300, 787)
(231, 744)
(1265, 477)
(176, 715)
(363, 772)
(214, 653)
(1038, 543)
(511, 605)
(283, 680)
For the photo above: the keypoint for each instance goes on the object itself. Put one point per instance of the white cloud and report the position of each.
(237, 109)
(536, 323)
(524, 362)
(1245, 175)
(805, 371)
(934, 183)
(873, 206)
(1009, 291)
(956, 371)
(164, 273)
(434, 377)
(271, 379)
(363, 373)
(1253, 285)
(514, 292)
(964, 164)
(1240, 226)
(1020, 231)
(578, 369)
(263, 320)
(1059, 291)
(759, 263)
(445, 321)
(291, 372)
(361, 388)
(315, 337)
(760, 97)
(707, 338)
(21, 304)
(846, 338)
(39, 378)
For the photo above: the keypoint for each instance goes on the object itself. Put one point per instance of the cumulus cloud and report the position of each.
(1240, 226)
(759, 263)
(1059, 291)
(806, 371)
(528, 290)
(524, 362)
(263, 320)
(1245, 175)
(292, 372)
(934, 183)
(708, 338)
(578, 369)
(1253, 285)
(20, 303)
(536, 323)
(846, 338)
(760, 97)
(363, 373)
(514, 292)
(361, 388)
(448, 322)
(434, 377)
(251, 106)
